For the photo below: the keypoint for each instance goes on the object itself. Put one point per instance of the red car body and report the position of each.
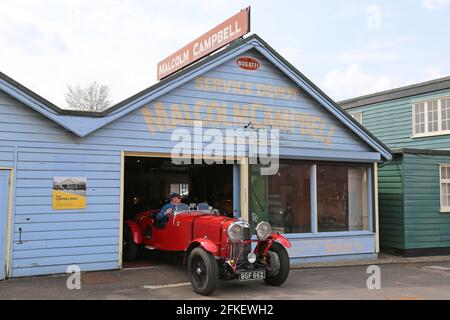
(204, 230)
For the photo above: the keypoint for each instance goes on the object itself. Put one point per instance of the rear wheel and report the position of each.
(130, 249)
(278, 265)
(203, 271)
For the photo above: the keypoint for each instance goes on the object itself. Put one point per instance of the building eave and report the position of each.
(398, 93)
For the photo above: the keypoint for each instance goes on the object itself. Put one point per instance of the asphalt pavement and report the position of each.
(168, 280)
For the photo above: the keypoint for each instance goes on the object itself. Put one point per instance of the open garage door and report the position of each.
(148, 182)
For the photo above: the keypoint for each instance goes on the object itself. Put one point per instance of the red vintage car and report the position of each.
(215, 247)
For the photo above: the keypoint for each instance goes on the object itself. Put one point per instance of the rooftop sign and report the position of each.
(228, 31)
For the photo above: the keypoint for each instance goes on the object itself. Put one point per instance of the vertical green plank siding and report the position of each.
(426, 226)
(391, 205)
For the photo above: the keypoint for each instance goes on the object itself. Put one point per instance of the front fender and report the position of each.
(135, 231)
(282, 240)
(206, 244)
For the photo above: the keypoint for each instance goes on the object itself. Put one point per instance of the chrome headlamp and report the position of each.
(236, 231)
(263, 231)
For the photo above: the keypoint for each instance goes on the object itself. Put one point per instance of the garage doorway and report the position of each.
(148, 182)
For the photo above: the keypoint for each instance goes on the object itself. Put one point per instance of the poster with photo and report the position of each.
(69, 193)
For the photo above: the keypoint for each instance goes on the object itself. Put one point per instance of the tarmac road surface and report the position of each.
(169, 280)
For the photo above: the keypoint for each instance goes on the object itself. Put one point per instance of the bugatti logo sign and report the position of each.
(225, 33)
(248, 64)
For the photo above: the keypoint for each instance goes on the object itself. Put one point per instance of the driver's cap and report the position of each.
(175, 195)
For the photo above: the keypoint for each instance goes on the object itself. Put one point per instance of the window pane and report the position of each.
(358, 117)
(342, 198)
(284, 200)
(445, 114)
(419, 117)
(443, 172)
(433, 124)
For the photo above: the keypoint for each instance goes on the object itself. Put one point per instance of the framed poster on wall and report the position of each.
(69, 193)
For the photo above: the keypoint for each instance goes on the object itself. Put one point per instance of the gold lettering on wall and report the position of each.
(162, 117)
(343, 247)
(177, 117)
(214, 114)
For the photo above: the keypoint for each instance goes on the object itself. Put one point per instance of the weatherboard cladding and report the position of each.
(391, 122)
(410, 214)
(83, 124)
(46, 241)
(6, 157)
(425, 225)
(391, 204)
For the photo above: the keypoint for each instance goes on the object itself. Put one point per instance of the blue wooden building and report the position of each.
(414, 121)
(324, 197)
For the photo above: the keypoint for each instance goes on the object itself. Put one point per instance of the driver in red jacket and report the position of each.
(163, 216)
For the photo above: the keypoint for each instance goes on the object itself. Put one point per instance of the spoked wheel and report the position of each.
(278, 265)
(203, 271)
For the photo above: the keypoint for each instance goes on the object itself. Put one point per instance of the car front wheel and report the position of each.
(278, 265)
(203, 271)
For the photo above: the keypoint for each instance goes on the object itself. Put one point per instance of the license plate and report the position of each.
(254, 275)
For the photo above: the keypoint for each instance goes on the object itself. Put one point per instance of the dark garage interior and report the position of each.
(149, 182)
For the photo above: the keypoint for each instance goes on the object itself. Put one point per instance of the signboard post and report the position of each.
(225, 33)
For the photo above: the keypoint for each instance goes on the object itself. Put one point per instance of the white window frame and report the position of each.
(358, 116)
(444, 209)
(440, 111)
(439, 132)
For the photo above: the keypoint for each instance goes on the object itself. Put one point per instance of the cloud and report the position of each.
(20, 30)
(432, 73)
(353, 81)
(375, 51)
(49, 44)
(433, 5)
(373, 21)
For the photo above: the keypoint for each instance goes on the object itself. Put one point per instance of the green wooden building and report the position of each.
(414, 189)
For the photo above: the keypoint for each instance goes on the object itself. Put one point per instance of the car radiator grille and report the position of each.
(240, 251)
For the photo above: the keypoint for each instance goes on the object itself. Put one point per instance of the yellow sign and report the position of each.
(69, 193)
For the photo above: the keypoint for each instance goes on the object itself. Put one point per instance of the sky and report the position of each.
(346, 47)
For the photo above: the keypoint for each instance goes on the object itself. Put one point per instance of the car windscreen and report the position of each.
(203, 207)
(182, 207)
